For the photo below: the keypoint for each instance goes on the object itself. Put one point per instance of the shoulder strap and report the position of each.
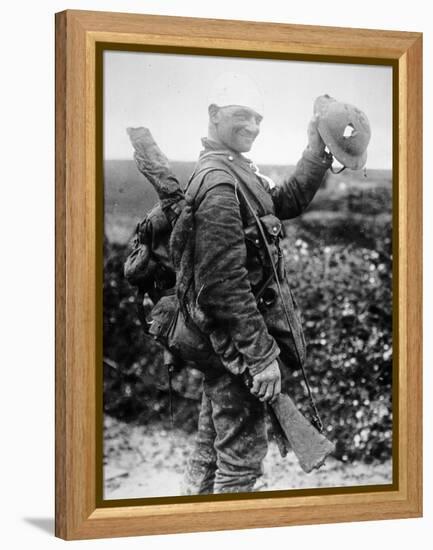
(205, 168)
(195, 183)
(220, 156)
(197, 178)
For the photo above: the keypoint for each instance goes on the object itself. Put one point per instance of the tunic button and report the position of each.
(257, 241)
(230, 157)
(275, 229)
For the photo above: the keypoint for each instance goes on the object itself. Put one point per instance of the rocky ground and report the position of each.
(144, 462)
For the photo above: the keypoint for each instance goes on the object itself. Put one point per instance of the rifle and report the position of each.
(310, 446)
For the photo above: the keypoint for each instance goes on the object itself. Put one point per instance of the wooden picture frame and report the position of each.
(79, 36)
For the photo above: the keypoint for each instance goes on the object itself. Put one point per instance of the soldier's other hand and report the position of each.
(315, 142)
(267, 384)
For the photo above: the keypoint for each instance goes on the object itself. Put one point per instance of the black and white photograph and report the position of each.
(247, 266)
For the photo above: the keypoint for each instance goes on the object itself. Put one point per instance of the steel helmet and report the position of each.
(344, 129)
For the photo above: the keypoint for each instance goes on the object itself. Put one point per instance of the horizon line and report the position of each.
(260, 163)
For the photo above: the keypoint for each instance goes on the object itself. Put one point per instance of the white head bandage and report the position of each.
(236, 89)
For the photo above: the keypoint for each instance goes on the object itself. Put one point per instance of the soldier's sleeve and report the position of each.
(223, 290)
(293, 196)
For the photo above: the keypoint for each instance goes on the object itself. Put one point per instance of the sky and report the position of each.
(168, 94)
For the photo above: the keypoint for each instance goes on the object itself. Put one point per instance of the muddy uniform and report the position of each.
(229, 269)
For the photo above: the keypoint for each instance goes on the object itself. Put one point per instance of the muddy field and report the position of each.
(141, 462)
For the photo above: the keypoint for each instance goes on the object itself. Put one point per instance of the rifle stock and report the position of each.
(309, 445)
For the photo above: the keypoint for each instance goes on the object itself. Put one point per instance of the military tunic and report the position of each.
(229, 266)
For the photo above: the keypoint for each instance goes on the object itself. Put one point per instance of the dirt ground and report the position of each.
(144, 462)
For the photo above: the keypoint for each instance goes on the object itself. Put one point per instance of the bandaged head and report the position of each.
(232, 88)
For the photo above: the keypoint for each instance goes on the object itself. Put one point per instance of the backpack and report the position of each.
(149, 267)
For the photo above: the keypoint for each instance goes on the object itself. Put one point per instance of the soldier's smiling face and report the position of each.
(235, 126)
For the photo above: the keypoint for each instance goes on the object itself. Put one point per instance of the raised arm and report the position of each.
(293, 196)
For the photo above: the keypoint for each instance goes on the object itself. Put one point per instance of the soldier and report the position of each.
(232, 292)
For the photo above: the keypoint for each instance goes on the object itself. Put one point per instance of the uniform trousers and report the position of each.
(231, 441)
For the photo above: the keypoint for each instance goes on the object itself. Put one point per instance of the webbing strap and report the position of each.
(316, 416)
